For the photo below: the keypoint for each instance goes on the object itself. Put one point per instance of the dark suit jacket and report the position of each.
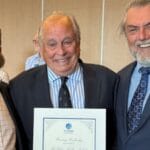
(140, 138)
(31, 89)
(8, 101)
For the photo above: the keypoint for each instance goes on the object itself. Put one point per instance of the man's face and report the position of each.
(60, 49)
(137, 30)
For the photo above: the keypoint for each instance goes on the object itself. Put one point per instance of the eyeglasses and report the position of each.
(66, 43)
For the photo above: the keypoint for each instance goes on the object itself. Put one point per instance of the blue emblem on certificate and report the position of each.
(68, 126)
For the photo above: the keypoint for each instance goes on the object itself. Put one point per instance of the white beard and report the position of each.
(144, 61)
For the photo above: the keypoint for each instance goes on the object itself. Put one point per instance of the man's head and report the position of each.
(136, 26)
(59, 38)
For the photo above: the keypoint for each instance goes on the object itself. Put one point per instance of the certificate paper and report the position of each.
(69, 129)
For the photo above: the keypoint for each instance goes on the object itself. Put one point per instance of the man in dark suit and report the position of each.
(133, 98)
(90, 86)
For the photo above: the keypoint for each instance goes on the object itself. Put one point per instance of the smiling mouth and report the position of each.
(144, 45)
(62, 61)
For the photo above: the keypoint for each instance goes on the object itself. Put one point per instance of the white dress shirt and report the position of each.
(75, 86)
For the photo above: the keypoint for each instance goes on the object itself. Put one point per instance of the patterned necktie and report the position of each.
(135, 109)
(64, 96)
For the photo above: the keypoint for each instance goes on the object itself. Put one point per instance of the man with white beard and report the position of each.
(133, 98)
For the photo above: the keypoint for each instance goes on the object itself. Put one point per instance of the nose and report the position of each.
(143, 34)
(60, 49)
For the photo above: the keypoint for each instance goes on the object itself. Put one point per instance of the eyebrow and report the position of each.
(136, 26)
(66, 38)
(132, 26)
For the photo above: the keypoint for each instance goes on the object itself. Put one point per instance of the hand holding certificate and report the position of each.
(69, 129)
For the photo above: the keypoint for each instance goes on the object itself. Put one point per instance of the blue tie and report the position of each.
(135, 109)
(64, 96)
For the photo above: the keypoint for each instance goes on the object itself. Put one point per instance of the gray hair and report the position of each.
(71, 18)
(132, 4)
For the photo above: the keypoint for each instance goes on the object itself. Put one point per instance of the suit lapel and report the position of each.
(90, 82)
(123, 89)
(42, 86)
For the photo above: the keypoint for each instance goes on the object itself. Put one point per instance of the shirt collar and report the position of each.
(76, 75)
(138, 66)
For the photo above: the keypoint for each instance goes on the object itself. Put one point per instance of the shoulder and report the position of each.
(129, 68)
(29, 75)
(98, 69)
(100, 74)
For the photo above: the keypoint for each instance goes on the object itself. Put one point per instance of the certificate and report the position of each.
(69, 129)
